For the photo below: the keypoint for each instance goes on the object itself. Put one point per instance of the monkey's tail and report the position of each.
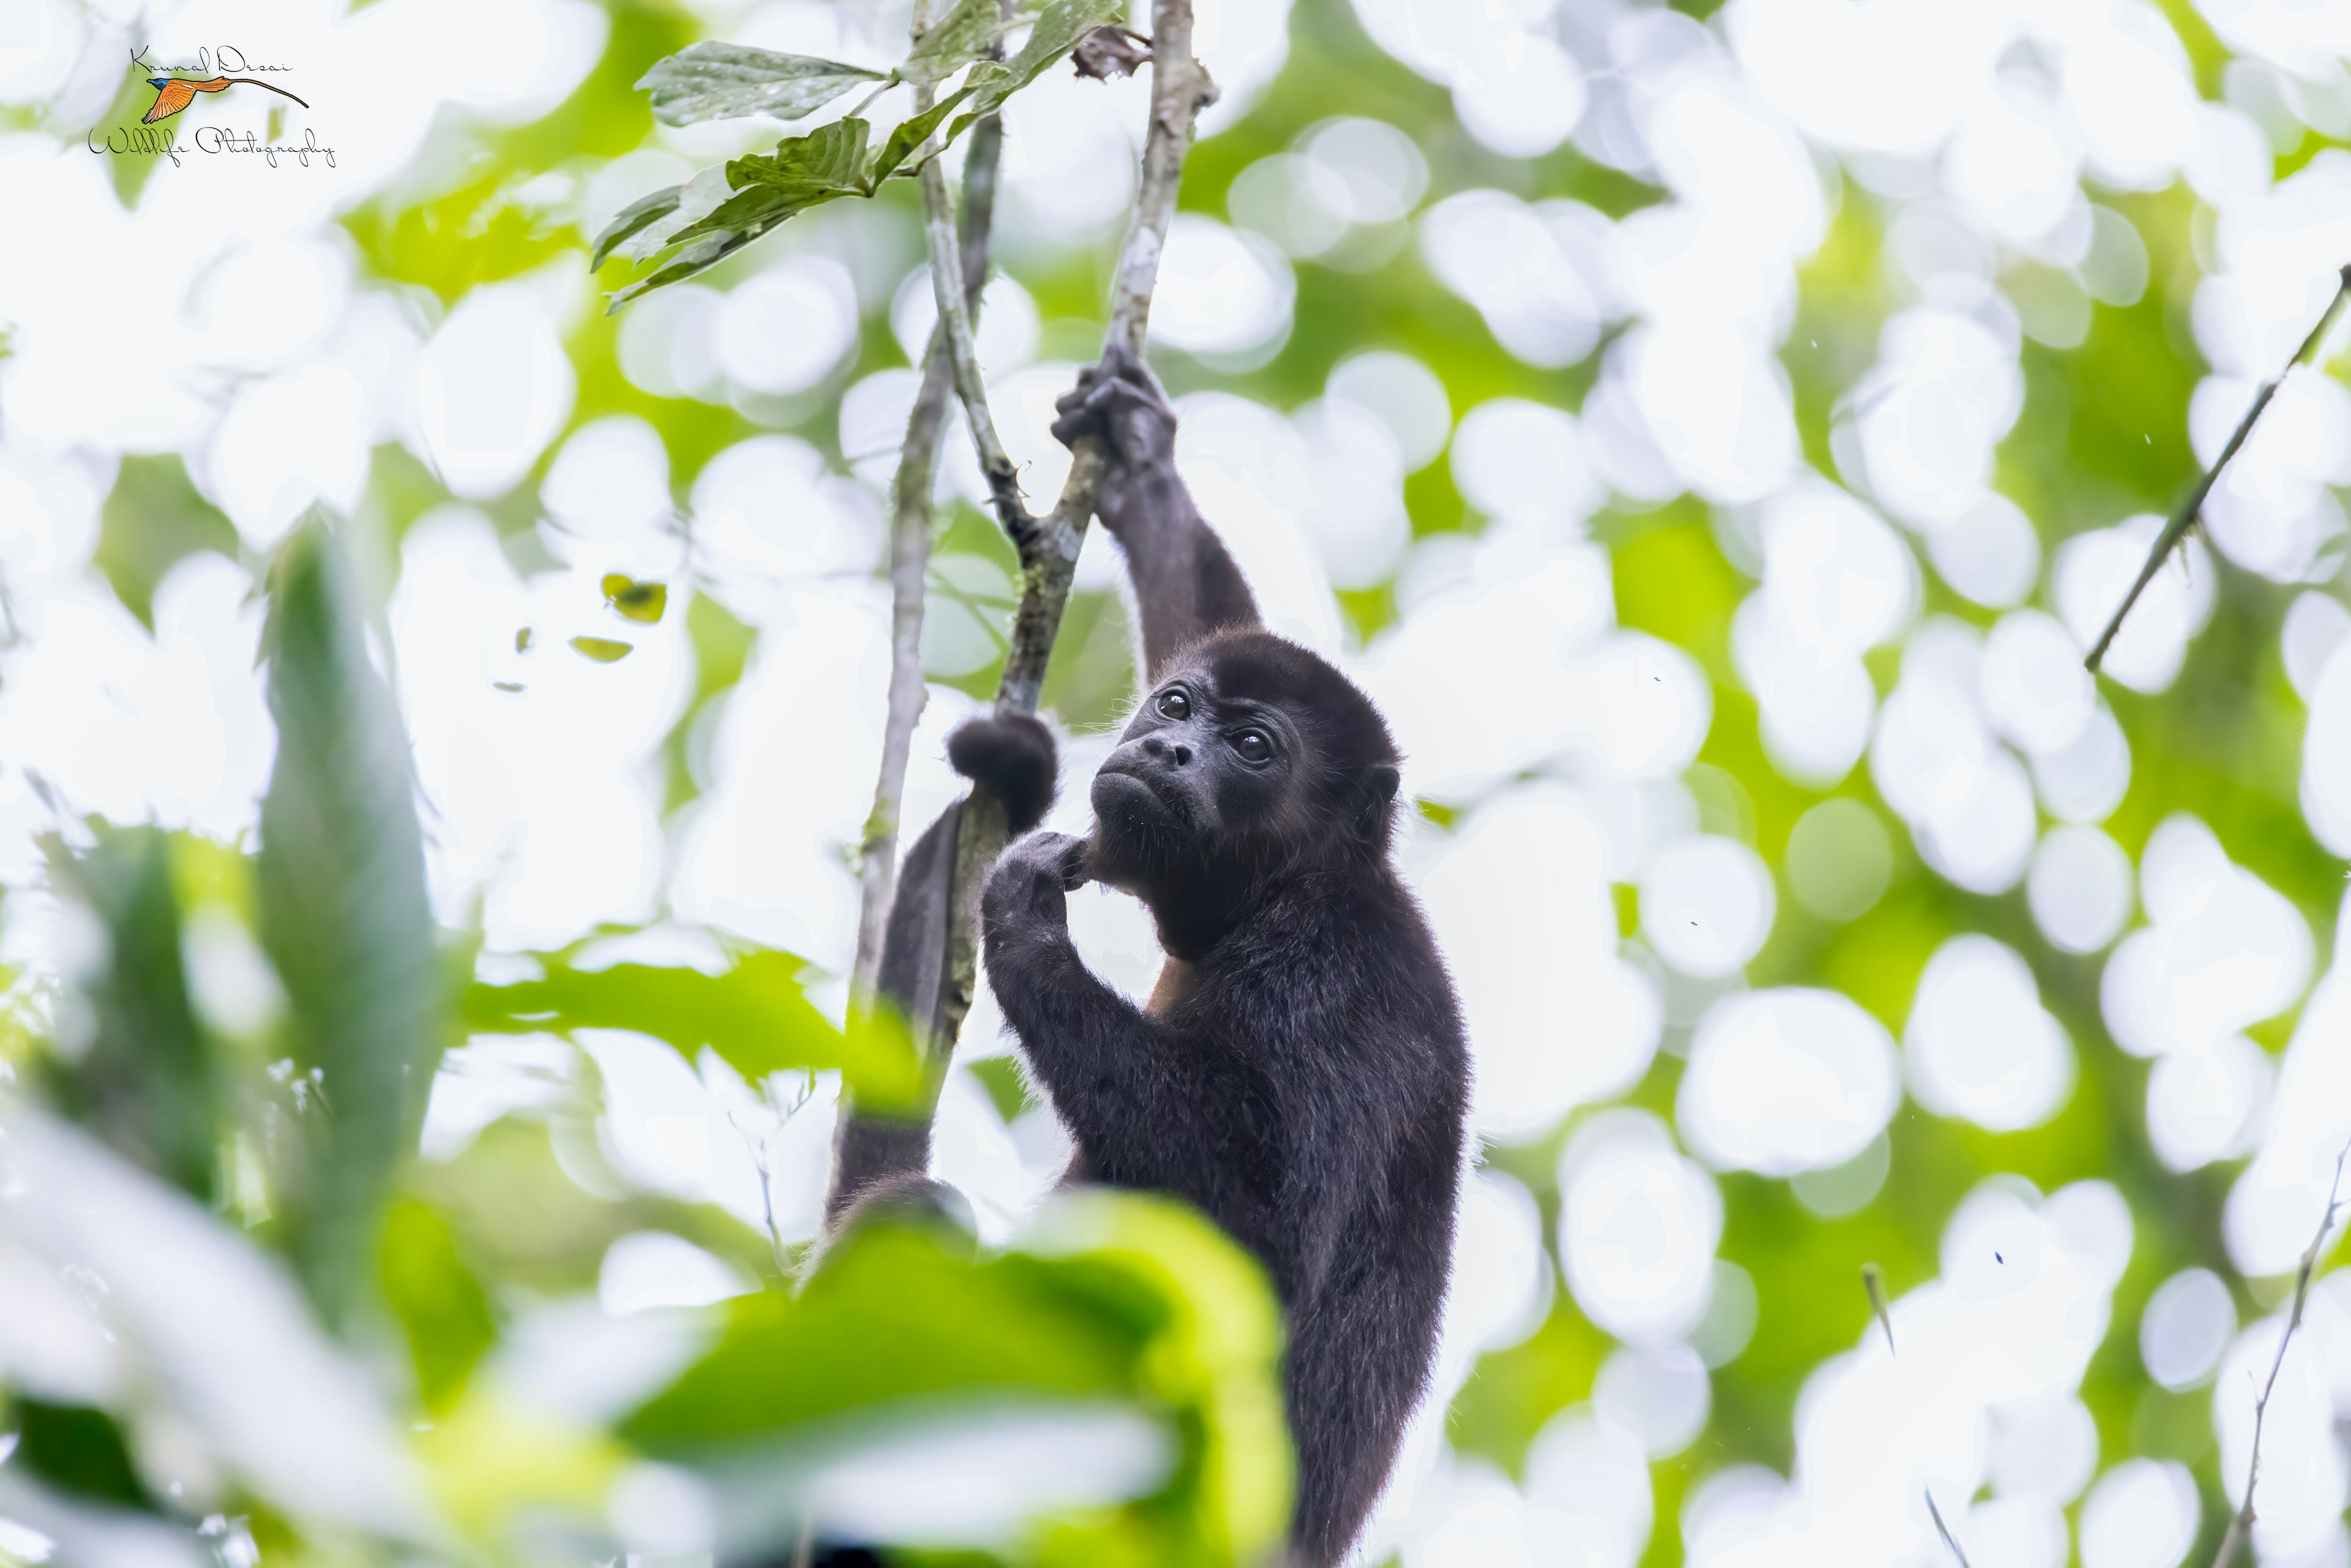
(1014, 758)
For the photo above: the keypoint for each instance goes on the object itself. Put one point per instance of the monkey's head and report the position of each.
(1251, 755)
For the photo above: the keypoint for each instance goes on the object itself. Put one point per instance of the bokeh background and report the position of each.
(1712, 434)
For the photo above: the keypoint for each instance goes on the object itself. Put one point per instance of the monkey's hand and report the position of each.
(1027, 893)
(1120, 402)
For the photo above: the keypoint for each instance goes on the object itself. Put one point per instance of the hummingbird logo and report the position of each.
(173, 94)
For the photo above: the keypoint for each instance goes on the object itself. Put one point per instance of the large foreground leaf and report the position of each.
(146, 1081)
(727, 81)
(343, 917)
(1118, 1305)
(753, 1015)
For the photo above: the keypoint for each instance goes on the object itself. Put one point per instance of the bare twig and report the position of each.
(963, 357)
(2185, 517)
(1943, 1529)
(2241, 1525)
(1875, 1283)
(910, 556)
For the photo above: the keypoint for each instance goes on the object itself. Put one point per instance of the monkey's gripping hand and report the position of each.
(1121, 402)
(1027, 895)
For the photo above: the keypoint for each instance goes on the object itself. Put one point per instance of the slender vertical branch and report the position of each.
(2174, 530)
(2241, 1525)
(963, 354)
(910, 557)
(1049, 546)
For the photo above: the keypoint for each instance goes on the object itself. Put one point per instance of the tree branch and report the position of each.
(2242, 1525)
(2185, 517)
(910, 558)
(1049, 546)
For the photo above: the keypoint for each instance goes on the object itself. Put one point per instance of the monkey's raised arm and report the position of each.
(1186, 585)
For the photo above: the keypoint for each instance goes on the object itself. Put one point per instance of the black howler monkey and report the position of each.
(1300, 1072)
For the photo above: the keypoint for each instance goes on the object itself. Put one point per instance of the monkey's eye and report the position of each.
(1174, 704)
(1253, 747)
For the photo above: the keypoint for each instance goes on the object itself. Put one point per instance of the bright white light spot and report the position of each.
(1224, 294)
(2225, 950)
(654, 1269)
(1587, 1487)
(1005, 335)
(2206, 1102)
(608, 491)
(2083, 782)
(493, 387)
(1787, 1080)
(1637, 1228)
(2143, 1513)
(2095, 570)
(784, 328)
(1357, 519)
(2188, 1322)
(1990, 554)
(2045, 1449)
(1507, 954)
(667, 342)
(1403, 394)
(1496, 252)
(2315, 625)
(1707, 904)
(2035, 691)
(1981, 1045)
(1660, 1393)
(1512, 458)
(2079, 889)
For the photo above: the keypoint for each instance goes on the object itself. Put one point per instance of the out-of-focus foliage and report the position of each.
(1711, 433)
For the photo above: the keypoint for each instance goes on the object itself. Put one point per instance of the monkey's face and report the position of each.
(1197, 774)
(1249, 754)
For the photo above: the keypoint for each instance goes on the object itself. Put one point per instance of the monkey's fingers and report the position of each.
(1076, 871)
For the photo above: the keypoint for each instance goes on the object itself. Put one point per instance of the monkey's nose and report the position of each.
(1158, 749)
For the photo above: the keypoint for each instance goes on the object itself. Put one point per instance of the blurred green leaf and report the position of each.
(343, 917)
(1118, 1295)
(146, 1082)
(1057, 31)
(726, 81)
(153, 520)
(635, 600)
(953, 42)
(753, 1016)
(604, 650)
(633, 219)
(78, 1449)
(441, 1306)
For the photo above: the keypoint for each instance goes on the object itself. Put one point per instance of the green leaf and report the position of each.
(1058, 27)
(634, 601)
(911, 133)
(343, 917)
(727, 81)
(1116, 1297)
(753, 1015)
(632, 218)
(441, 1305)
(146, 1083)
(604, 650)
(956, 40)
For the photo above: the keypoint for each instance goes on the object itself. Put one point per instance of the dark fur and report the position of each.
(878, 1162)
(1300, 1074)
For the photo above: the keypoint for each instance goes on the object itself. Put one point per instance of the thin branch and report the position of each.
(2241, 1526)
(910, 556)
(963, 356)
(1944, 1529)
(2186, 516)
(1875, 1283)
(1049, 546)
